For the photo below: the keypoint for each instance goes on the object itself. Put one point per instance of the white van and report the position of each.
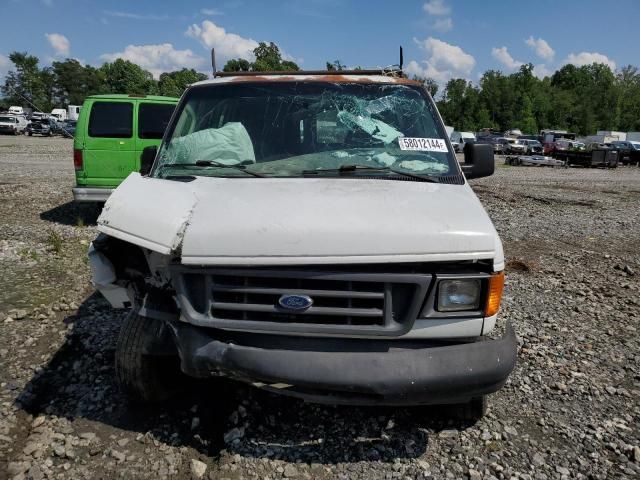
(313, 235)
(60, 114)
(16, 110)
(458, 139)
(73, 112)
(13, 124)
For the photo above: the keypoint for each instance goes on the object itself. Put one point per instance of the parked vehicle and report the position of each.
(532, 147)
(515, 147)
(73, 111)
(60, 114)
(111, 132)
(628, 152)
(605, 157)
(459, 139)
(40, 126)
(498, 144)
(13, 124)
(533, 160)
(311, 238)
(16, 110)
(69, 128)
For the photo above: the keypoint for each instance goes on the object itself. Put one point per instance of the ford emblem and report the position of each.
(295, 302)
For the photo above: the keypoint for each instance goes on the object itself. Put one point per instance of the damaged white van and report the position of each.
(311, 234)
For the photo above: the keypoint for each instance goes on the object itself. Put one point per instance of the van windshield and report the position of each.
(293, 128)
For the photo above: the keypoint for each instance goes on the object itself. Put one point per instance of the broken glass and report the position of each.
(284, 128)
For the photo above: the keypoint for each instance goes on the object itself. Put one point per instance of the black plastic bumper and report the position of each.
(344, 371)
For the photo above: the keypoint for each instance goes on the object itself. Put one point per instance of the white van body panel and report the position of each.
(288, 221)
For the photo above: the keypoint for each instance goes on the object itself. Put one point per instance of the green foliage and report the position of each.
(172, 84)
(336, 66)
(268, 59)
(54, 241)
(580, 99)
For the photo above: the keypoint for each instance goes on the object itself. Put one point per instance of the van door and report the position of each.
(109, 151)
(153, 119)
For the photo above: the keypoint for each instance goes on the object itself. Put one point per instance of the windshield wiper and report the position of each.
(350, 168)
(211, 163)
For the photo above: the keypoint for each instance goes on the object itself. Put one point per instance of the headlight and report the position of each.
(459, 295)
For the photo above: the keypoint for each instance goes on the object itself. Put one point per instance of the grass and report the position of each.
(54, 241)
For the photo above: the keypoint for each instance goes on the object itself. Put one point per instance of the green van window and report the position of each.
(153, 119)
(111, 120)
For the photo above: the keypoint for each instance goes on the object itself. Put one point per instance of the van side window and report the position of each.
(111, 120)
(153, 119)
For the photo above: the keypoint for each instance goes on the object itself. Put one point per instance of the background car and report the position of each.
(12, 124)
(532, 147)
(69, 128)
(515, 146)
(458, 139)
(40, 126)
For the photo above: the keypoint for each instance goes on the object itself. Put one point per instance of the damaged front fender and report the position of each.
(148, 212)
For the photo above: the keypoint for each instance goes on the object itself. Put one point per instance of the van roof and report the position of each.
(121, 96)
(319, 76)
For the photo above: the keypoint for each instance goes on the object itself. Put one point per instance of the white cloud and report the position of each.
(157, 58)
(442, 25)
(227, 45)
(436, 7)
(210, 12)
(541, 47)
(60, 43)
(444, 61)
(542, 71)
(504, 57)
(587, 58)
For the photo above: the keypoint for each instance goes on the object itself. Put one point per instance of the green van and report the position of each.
(110, 134)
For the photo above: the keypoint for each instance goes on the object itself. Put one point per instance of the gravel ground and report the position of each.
(570, 409)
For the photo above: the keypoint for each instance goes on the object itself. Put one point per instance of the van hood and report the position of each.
(287, 221)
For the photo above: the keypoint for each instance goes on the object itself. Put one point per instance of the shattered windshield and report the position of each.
(296, 128)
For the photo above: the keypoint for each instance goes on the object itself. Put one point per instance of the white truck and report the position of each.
(353, 265)
(73, 112)
(60, 114)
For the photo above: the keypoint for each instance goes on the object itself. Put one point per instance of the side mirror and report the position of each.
(147, 158)
(478, 160)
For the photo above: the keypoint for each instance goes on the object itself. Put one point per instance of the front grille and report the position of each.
(244, 299)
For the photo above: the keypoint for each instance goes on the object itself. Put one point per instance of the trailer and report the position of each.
(605, 157)
(533, 160)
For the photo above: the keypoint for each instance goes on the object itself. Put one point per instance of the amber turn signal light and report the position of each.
(494, 294)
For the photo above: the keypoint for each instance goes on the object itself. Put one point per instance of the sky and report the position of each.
(442, 39)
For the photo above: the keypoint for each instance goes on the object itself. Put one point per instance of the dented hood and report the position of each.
(258, 221)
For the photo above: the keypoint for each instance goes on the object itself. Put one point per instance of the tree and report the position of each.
(172, 84)
(26, 84)
(336, 66)
(123, 76)
(429, 83)
(268, 59)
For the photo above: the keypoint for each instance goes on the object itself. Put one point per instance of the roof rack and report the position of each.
(391, 71)
(383, 71)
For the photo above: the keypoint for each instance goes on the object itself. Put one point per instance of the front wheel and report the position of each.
(142, 376)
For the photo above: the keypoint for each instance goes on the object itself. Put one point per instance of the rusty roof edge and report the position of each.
(382, 71)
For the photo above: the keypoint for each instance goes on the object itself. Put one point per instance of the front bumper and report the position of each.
(83, 194)
(350, 371)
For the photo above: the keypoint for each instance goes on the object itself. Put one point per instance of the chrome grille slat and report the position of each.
(256, 307)
(298, 291)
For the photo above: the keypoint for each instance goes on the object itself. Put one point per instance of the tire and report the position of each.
(142, 377)
(474, 410)
(30, 134)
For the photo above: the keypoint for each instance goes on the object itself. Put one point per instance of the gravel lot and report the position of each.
(570, 410)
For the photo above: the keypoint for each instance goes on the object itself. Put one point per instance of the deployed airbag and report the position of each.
(230, 145)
